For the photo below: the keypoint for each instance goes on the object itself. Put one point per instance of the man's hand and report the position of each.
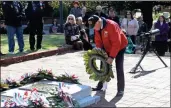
(109, 60)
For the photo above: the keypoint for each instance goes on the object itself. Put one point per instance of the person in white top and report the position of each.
(130, 25)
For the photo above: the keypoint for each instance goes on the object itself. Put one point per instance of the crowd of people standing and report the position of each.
(14, 14)
(131, 25)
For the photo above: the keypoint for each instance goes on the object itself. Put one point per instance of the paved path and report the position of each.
(145, 89)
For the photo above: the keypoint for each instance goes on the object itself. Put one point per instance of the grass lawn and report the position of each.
(49, 42)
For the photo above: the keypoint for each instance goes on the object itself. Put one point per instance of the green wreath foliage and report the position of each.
(35, 77)
(91, 67)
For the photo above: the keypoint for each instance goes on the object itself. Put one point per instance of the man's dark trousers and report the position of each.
(119, 60)
(35, 28)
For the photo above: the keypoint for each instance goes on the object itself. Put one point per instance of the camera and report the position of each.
(147, 47)
(151, 33)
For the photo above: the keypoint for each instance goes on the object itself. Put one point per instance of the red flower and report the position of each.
(26, 93)
(74, 77)
(34, 90)
(49, 71)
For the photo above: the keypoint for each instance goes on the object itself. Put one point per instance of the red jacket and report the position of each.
(112, 40)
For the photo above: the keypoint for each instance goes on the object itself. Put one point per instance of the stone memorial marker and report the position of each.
(80, 93)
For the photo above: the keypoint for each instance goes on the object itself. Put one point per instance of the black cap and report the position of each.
(92, 20)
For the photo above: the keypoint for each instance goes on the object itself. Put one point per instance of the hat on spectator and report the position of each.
(92, 20)
(76, 2)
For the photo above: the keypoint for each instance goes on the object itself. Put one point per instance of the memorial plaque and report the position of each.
(39, 86)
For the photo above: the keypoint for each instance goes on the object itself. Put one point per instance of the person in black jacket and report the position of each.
(142, 25)
(13, 13)
(34, 14)
(99, 12)
(85, 21)
(83, 34)
(142, 29)
(113, 17)
(72, 34)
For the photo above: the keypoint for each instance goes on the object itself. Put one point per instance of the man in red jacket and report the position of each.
(111, 38)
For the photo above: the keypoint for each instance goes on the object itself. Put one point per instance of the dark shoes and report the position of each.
(39, 48)
(99, 87)
(1, 54)
(33, 49)
(96, 89)
(119, 93)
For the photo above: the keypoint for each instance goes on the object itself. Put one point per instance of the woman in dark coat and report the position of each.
(83, 34)
(161, 40)
(72, 34)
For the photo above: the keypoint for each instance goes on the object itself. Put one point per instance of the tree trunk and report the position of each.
(84, 3)
(147, 10)
(61, 15)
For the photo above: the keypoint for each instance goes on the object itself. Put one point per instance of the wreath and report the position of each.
(105, 73)
(29, 78)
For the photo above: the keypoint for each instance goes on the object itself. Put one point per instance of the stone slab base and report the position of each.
(81, 93)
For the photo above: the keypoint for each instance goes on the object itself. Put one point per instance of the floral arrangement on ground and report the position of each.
(56, 98)
(29, 78)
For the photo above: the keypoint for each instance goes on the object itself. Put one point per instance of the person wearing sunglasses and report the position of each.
(110, 37)
(72, 34)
